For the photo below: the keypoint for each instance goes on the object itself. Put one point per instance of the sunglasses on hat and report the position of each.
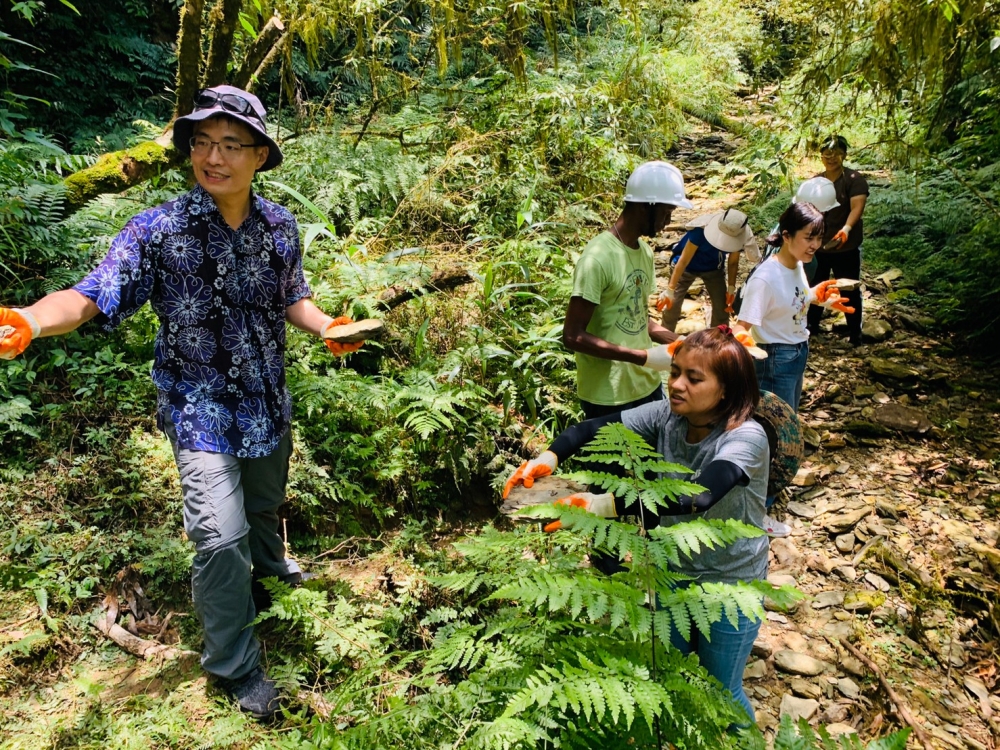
(206, 98)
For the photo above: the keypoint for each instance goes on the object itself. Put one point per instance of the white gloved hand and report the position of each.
(600, 505)
(658, 358)
(665, 300)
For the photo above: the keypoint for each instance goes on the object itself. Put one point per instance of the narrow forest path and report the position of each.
(895, 521)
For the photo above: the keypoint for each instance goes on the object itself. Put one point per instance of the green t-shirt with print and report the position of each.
(619, 280)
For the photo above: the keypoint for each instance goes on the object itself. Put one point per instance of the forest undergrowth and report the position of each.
(431, 624)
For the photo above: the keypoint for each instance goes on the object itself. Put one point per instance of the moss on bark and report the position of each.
(118, 171)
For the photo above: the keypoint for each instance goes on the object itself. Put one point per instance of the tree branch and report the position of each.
(259, 50)
(446, 278)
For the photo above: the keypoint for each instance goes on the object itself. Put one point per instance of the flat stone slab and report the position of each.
(826, 599)
(800, 664)
(798, 708)
(545, 490)
(846, 521)
(902, 418)
(352, 333)
(863, 601)
(802, 510)
(889, 369)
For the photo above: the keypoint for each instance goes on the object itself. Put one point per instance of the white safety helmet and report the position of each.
(820, 192)
(657, 182)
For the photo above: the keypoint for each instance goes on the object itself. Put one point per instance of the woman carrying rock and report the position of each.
(707, 426)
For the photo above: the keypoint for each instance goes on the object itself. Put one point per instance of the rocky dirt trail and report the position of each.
(895, 524)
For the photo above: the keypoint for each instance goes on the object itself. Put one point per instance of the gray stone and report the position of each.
(765, 720)
(755, 670)
(853, 666)
(804, 477)
(798, 708)
(835, 713)
(874, 329)
(893, 274)
(761, 649)
(881, 398)
(843, 631)
(844, 522)
(877, 582)
(839, 728)
(848, 688)
(902, 418)
(847, 572)
(800, 664)
(892, 370)
(811, 437)
(845, 543)
(802, 510)
(805, 689)
(826, 599)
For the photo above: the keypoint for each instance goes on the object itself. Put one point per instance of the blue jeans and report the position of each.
(725, 656)
(783, 371)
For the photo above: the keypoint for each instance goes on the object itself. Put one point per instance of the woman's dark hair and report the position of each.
(834, 143)
(730, 362)
(798, 216)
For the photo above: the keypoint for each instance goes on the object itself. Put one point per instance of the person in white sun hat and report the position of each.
(710, 250)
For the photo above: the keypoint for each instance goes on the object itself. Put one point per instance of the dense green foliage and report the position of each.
(496, 138)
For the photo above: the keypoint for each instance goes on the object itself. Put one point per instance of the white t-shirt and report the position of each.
(774, 302)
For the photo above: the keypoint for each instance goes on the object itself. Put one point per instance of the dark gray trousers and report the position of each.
(231, 515)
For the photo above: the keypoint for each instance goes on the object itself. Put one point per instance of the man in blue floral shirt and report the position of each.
(222, 269)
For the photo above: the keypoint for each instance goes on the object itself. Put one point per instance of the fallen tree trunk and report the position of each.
(442, 280)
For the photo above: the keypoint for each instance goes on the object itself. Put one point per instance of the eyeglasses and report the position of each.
(202, 146)
(234, 103)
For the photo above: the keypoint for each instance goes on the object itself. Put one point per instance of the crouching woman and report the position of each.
(707, 426)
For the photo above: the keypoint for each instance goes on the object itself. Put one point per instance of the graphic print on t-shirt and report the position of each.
(632, 317)
(800, 306)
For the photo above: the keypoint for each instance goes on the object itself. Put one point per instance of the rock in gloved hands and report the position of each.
(529, 471)
(17, 329)
(337, 348)
(730, 299)
(602, 505)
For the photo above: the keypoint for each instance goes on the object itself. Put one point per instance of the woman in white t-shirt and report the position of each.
(775, 306)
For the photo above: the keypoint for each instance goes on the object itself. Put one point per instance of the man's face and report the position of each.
(661, 217)
(833, 159)
(226, 174)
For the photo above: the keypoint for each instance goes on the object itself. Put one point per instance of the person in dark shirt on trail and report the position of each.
(840, 253)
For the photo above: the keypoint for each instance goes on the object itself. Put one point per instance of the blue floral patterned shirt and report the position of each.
(220, 295)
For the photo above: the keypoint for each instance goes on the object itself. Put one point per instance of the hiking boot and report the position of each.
(776, 528)
(262, 597)
(255, 694)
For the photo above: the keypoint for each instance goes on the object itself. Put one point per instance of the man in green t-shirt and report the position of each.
(607, 322)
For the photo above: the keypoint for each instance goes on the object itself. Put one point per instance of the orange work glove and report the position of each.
(674, 345)
(529, 471)
(17, 329)
(841, 236)
(730, 299)
(746, 339)
(825, 294)
(599, 505)
(666, 299)
(333, 346)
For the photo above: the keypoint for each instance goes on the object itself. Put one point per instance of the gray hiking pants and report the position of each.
(715, 283)
(231, 515)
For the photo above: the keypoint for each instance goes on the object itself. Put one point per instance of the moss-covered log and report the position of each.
(118, 171)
